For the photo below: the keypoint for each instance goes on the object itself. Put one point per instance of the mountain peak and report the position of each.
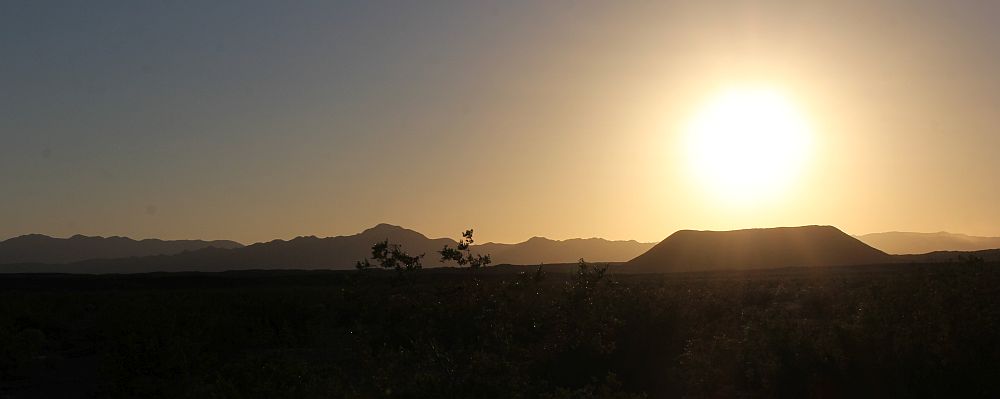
(83, 237)
(32, 236)
(386, 230)
(381, 227)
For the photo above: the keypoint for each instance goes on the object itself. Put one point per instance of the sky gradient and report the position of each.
(259, 120)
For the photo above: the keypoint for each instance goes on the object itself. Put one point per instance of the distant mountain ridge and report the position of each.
(685, 250)
(38, 248)
(538, 250)
(341, 252)
(806, 246)
(986, 255)
(305, 252)
(897, 242)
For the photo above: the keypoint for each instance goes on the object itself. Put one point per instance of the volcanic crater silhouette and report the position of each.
(806, 246)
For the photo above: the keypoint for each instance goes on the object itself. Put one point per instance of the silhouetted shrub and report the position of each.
(462, 254)
(391, 256)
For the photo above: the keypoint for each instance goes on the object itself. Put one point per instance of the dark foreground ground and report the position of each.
(902, 330)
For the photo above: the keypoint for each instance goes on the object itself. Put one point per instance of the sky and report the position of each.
(260, 120)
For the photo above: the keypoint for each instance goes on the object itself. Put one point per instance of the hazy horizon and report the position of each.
(252, 121)
(518, 241)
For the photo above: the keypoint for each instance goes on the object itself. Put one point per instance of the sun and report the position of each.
(747, 144)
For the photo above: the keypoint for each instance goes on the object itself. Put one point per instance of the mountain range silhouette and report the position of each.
(537, 250)
(897, 242)
(685, 250)
(339, 252)
(37, 248)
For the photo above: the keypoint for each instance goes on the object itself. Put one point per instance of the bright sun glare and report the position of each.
(747, 144)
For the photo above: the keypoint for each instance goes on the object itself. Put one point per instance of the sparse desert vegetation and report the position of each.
(897, 330)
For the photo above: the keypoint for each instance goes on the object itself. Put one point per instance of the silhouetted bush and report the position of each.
(391, 256)
(462, 254)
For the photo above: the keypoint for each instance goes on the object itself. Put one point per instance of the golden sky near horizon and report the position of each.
(563, 119)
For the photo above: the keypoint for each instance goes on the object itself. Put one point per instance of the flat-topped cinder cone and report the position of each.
(806, 246)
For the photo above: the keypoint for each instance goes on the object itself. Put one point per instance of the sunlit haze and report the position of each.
(746, 145)
(625, 120)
